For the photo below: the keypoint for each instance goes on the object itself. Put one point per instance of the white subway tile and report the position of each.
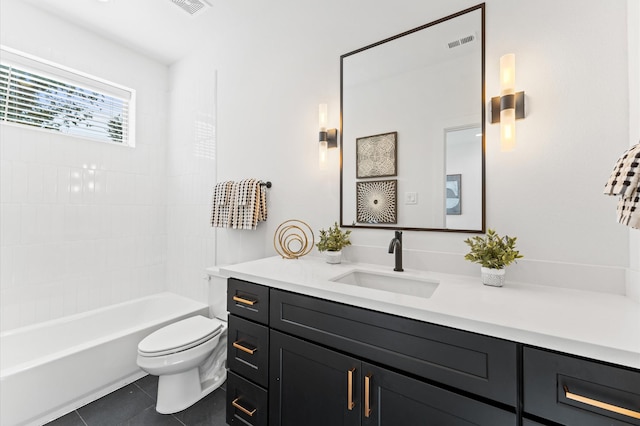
(100, 187)
(35, 183)
(19, 179)
(10, 223)
(143, 188)
(10, 141)
(64, 184)
(56, 224)
(29, 224)
(50, 183)
(75, 185)
(72, 222)
(5, 181)
(7, 267)
(88, 186)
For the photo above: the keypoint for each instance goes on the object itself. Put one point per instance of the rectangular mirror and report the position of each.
(412, 129)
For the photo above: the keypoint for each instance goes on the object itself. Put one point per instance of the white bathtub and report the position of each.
(50, 369)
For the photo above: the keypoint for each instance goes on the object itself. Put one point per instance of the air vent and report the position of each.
(461, 41)
(192, 7)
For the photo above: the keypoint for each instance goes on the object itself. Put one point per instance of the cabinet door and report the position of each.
(391, 399)
(310, 385)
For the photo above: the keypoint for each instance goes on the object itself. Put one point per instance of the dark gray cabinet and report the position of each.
(574, 391)
(311, 385)
(299, 360)
(247, 353)
(477, 364)
(391, 399)
(315, 386)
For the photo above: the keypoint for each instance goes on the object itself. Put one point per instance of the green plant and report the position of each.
(492, 251)
(333, 239)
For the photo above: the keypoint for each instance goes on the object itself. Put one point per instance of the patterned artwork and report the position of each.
(454, 190)
(376, 156)
(376, 201)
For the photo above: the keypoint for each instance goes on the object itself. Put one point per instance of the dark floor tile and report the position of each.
(71, 419)
(117, 407)
(149, 384)
(150, 417)
(208, 411)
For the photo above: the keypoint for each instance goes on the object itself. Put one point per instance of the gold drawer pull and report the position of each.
(237, 345)
(241, 408)
(600, 404)
(350, 403)
(367, 395)
(244, 301)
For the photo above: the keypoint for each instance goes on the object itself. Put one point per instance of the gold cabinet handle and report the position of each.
(241, 408)
(244, 301)
(600, 404)
(350, 403)
(367, 395)
(237, 345)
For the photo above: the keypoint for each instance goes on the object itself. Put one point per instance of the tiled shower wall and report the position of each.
(82, 223)
(191, 176)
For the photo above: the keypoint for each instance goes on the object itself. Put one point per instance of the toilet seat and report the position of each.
(180, 336)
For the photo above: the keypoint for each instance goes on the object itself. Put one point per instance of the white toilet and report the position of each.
(188, 356)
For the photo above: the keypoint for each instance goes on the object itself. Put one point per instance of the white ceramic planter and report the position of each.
(333, 256)
(492, 277)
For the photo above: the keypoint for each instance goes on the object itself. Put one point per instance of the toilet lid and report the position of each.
(180, 336)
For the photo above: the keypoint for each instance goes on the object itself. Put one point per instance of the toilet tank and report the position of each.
(217, 293)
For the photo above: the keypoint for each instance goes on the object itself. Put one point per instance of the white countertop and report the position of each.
(595, 325)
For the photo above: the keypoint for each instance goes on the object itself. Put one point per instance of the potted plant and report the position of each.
(332, 241)
(494, 253)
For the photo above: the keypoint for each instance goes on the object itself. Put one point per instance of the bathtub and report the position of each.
(52, 368)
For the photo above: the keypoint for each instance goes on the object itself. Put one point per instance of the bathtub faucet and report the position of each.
(396, 246)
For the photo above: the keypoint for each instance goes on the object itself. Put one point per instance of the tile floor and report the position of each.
(134, 405)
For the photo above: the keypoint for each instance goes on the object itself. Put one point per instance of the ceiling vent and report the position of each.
(192, 7)
(461, 41)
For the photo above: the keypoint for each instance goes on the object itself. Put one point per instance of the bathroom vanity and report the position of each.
(307, 347)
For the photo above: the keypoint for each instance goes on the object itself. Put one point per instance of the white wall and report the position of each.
(277, 62)
(82, 222)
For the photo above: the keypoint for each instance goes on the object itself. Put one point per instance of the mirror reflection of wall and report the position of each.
(463, 192)
(417, 86)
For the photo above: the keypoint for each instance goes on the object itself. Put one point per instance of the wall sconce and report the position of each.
(328, 137)
(509, 106)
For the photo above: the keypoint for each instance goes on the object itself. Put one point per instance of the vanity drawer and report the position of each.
(246, 402)
(248, 300)
(478, 364)
(572, 391)
(248, 353)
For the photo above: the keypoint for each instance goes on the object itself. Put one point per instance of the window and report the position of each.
(41, 94)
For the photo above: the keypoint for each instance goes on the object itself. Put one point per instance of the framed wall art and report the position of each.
(454, 191)
(376, 201)
(377, 155)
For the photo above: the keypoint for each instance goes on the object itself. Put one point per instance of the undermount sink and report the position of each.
(392, 282)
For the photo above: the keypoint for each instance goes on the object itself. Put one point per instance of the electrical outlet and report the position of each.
(411, 198)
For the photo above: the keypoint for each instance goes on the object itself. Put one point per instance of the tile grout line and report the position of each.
(81, 418)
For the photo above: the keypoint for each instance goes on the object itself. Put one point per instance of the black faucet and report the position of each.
(396, 246)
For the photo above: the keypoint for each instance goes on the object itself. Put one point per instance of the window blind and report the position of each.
(43, 95)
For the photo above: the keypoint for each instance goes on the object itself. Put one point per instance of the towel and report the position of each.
(220, 212)
(249, 204)
(239, 205)
(625, 183)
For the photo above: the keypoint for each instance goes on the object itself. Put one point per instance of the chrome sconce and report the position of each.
(509, 106)
(328, 137)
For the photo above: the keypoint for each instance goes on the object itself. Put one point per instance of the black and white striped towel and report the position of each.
(625, 182)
